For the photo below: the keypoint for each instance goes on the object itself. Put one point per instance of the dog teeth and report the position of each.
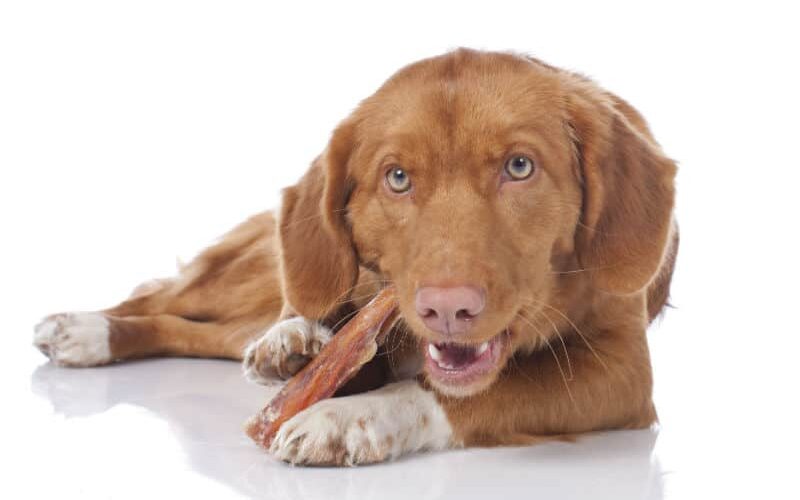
(435, 354)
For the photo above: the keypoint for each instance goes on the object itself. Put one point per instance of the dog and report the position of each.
(524, 216)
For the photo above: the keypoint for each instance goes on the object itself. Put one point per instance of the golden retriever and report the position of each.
(525, 217)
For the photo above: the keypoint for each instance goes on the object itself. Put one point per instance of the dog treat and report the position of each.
(349, 349)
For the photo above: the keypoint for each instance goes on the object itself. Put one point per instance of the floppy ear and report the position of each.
(628, 193)
(318, 261)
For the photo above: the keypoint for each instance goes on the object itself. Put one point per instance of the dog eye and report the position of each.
(519, 167)
(398, 180)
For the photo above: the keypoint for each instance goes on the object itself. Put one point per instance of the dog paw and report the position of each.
(334, 432)
(74, 339)
(363, 429)
(284, 349)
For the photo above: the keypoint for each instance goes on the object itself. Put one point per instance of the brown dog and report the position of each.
(524, 216)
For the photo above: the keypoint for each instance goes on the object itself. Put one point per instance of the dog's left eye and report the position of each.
(519, 167)
(398, 180)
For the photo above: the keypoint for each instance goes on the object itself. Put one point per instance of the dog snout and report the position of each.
(450, 310)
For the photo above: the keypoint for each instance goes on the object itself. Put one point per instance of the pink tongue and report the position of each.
(455, 355)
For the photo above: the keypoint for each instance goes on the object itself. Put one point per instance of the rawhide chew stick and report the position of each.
(349, 349)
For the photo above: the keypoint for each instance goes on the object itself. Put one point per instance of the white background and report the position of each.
(135, 132)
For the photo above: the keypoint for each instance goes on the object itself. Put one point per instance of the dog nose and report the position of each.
(449, 310)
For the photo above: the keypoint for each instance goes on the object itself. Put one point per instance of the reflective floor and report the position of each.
(172, 428)
(173, 424)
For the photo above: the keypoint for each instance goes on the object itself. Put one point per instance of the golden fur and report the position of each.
(576, 261)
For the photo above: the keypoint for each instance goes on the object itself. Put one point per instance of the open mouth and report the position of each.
(461, 364)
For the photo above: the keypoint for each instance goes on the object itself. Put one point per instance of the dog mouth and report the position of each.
(460, 364)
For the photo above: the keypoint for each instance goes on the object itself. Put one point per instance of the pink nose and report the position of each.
(449, 310)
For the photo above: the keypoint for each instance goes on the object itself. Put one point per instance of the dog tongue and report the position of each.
(456, 355)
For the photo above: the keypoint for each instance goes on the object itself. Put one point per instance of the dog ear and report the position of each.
(628, 192)
(318, 261)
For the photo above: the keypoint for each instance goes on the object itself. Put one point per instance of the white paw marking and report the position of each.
(74, 339)
(366, 428)
(284, 349)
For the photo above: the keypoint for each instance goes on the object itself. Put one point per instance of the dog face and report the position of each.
(475, 182)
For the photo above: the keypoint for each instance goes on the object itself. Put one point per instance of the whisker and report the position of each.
(560, 370)
(585, 269)
(396, 345)
(563, 344)
(345, 318)
(340, 299)
(513, 360)
(356, 298)
(577, 330)
(398, 338)
(555, 357)
(539, 335)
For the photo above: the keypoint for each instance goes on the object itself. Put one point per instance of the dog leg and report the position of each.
(96, 338)
(216, 305)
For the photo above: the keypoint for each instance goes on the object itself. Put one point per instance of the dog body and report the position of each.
(524, 216)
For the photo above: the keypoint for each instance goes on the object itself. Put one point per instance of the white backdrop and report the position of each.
(132, 133)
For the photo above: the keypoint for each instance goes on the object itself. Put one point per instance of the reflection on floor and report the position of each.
(179, 420)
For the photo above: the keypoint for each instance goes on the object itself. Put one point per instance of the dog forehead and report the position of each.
(466, 102)
(495, 96)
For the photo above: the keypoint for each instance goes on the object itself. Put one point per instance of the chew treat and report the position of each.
(352, 346)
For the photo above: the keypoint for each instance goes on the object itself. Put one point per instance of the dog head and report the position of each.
(475, 182)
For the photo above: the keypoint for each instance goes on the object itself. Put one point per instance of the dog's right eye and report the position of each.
(398, 180)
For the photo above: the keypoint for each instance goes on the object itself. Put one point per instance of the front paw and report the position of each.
(74, 339)
(330, 434)
(284, 349)
(363, 429)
